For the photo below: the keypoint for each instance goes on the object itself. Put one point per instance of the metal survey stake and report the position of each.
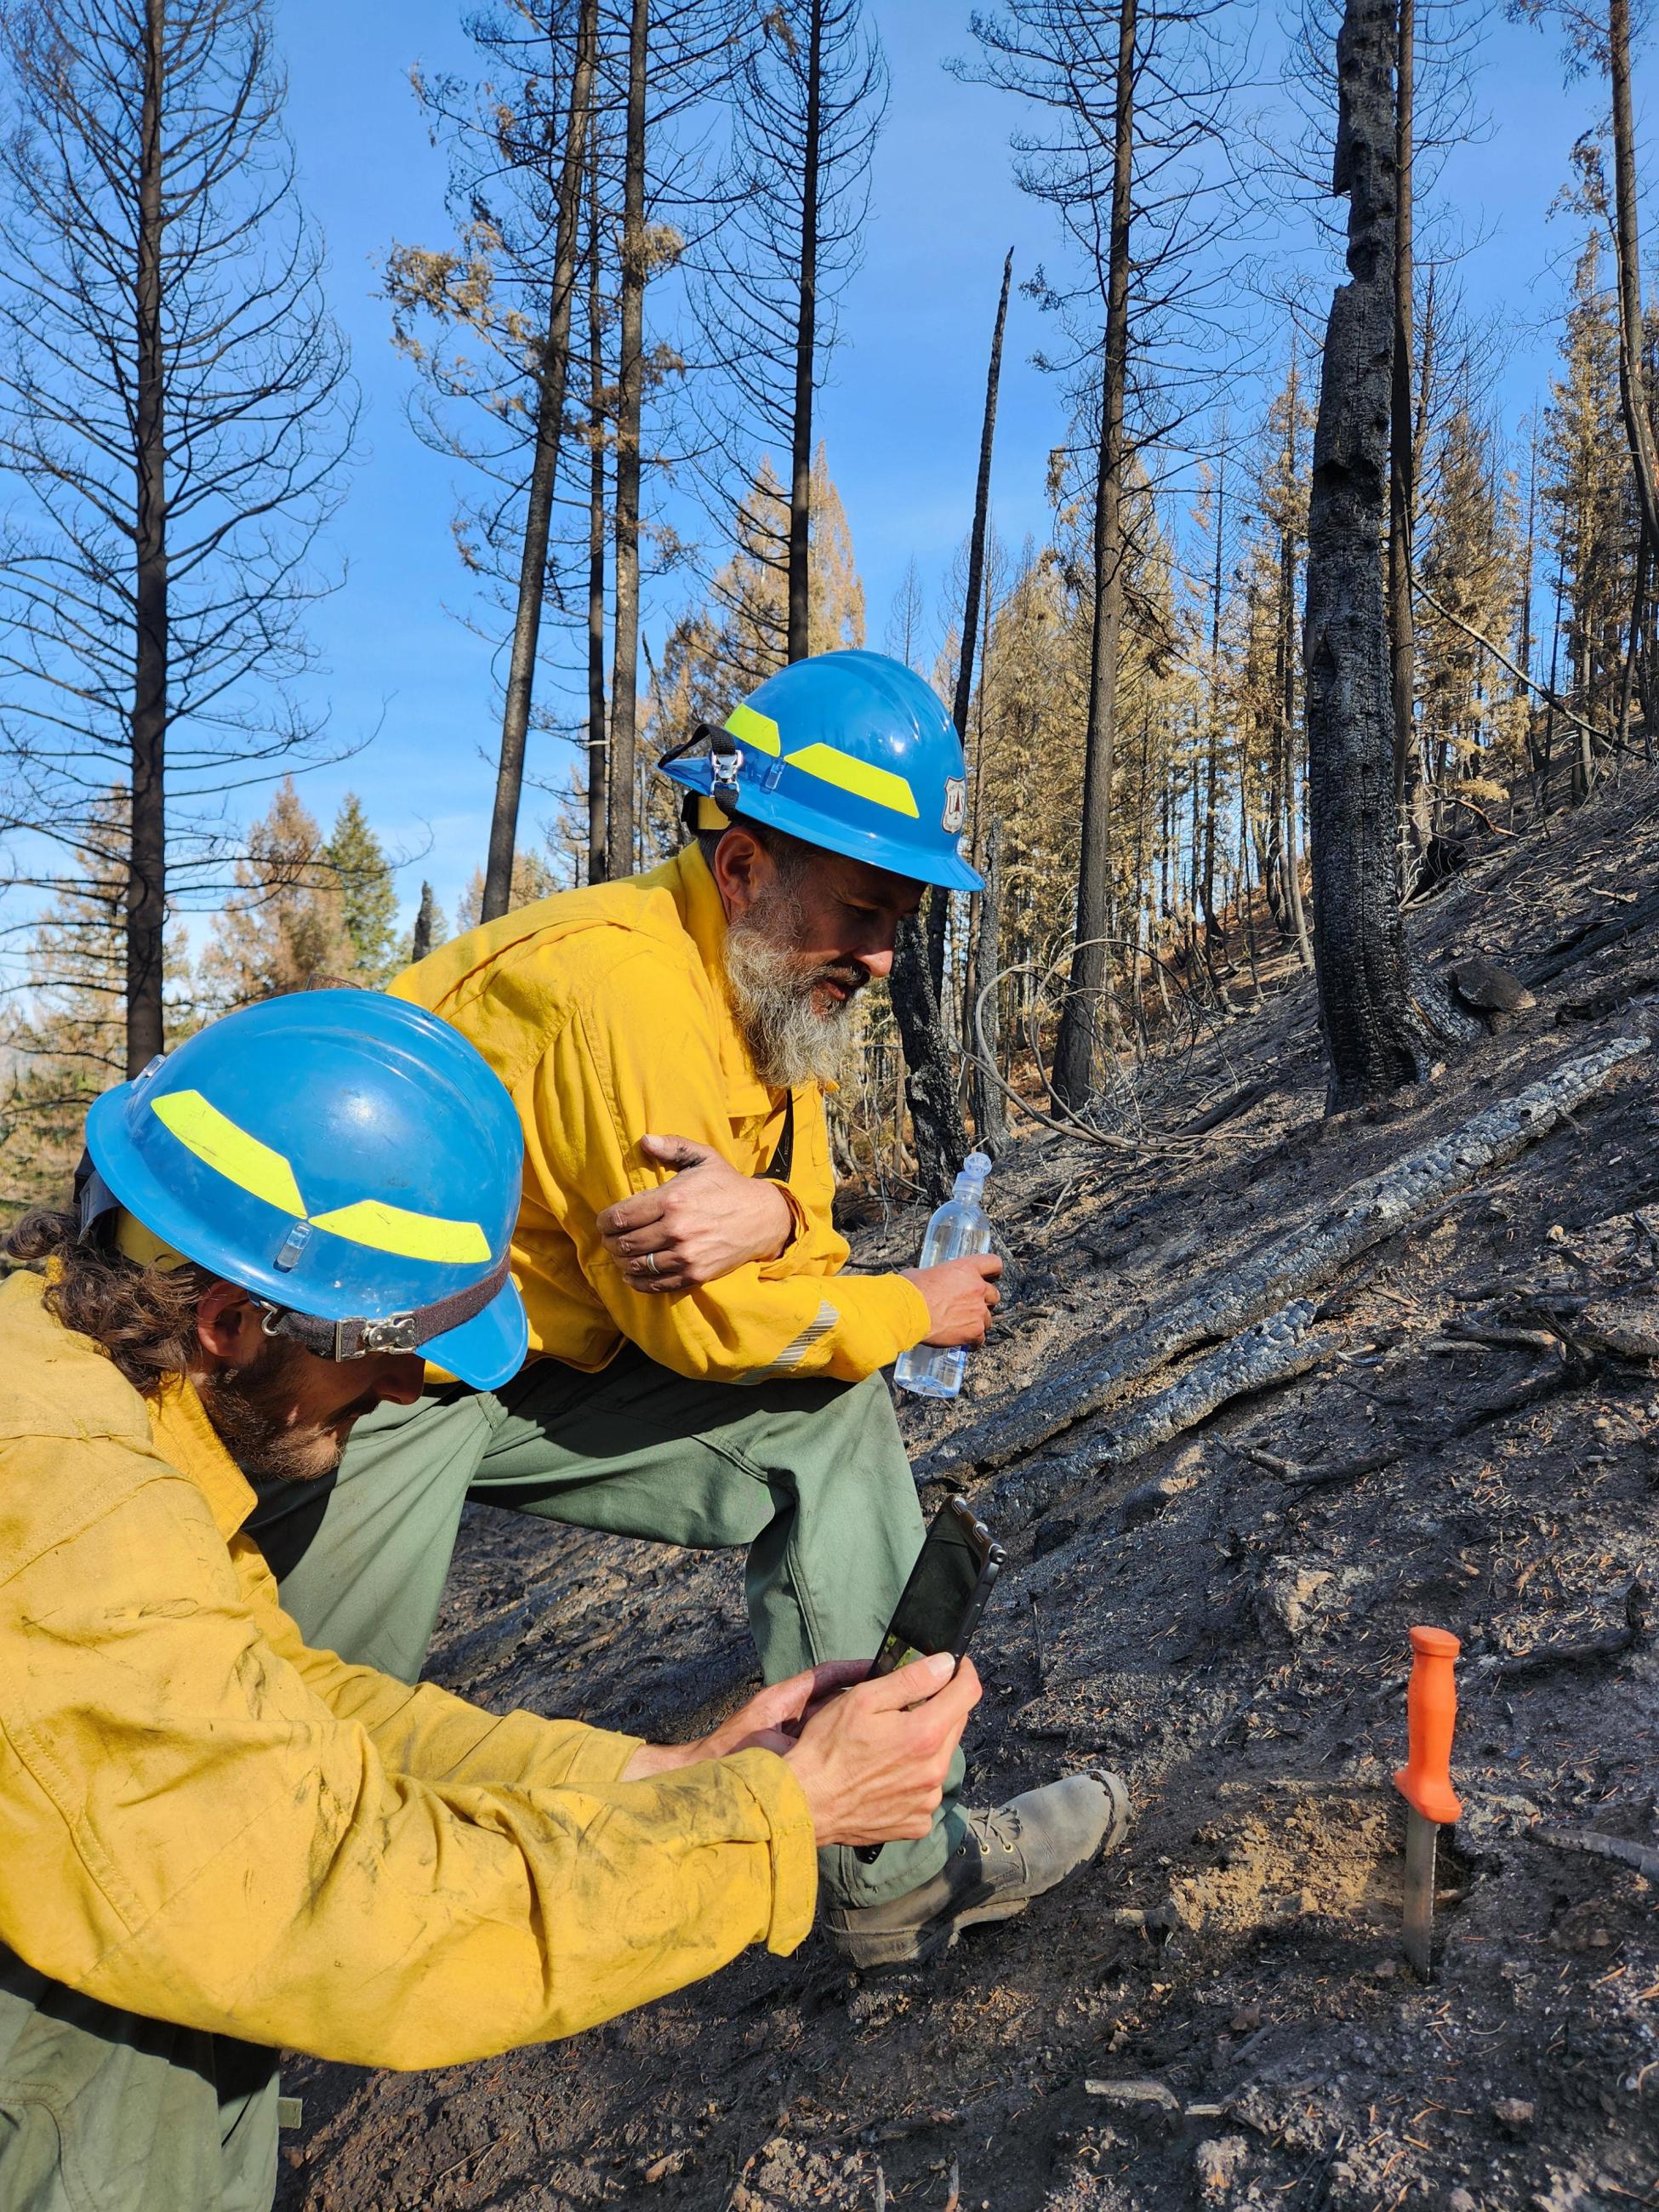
(1425, 1780)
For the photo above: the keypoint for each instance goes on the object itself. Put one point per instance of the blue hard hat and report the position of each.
(346, 1157)
(848, 751)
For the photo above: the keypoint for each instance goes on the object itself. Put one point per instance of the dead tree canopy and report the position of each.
(174, 408)
(1379, 1029)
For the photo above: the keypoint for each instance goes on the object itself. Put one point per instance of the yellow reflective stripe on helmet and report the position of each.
(385, 1228)
(861, 777)
(752, 728)
(213, 1137)
(200, 1128)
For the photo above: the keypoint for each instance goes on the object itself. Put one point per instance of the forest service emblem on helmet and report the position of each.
(956, 804)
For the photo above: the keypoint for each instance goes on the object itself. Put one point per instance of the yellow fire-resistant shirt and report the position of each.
(204, 1821)
(605, 1012)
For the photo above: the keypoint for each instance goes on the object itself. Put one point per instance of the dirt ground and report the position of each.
(1231, 1632)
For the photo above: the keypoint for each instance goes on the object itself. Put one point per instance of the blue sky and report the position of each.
(900, 415)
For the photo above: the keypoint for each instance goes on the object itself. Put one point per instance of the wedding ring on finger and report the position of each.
(651, 1261)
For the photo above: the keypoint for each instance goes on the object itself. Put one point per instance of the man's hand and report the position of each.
(960, 1295)
(873, 1761)
(703, 1222)
(871, 1757)
(770, 1721)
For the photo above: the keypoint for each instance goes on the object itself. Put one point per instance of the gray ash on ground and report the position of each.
(1225, 1620)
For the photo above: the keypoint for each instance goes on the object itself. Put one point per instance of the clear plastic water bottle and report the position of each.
(959, 1226)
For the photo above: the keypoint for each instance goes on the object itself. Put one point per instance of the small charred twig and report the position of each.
(1641, 1857)
(1529, 1339)
(954, 2187)
(1545, 1658)
(1239, 1102)
(1348, 1470)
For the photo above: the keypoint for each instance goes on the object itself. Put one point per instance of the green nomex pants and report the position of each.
(103, 2110)
(811, 1476)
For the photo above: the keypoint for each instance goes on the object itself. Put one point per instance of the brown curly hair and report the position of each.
(144, 1318)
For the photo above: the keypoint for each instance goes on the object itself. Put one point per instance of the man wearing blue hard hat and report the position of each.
(218, 1839)
(704, 1370)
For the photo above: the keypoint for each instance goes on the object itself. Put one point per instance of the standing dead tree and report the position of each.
(1598, 35)
(488, 322)
(630, 405)
(174, 409)
(1635, 390)
(939, 903)
(917, 987)
(1402, 471)
(1374, 1010)
(809, 97)
(1131, 151)
(549, 371)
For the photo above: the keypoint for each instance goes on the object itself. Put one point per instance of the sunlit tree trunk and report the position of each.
(1371, 1004)
(630, 394)
(147, 880)
(554, 372)
(1074, 1049)
(598, 796)
(1633, 381)
(1402, 638)
(938, 902)
(807, 339)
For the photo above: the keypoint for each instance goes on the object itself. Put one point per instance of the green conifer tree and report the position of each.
(367, 896)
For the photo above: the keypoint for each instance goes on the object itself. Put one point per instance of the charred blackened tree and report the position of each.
(630, 400)
(811, 94)
(552, 375)
(930, 1081)
(1402, 489)
(174, 404)
(938, 902)
(918, 980)
(1380, 1019)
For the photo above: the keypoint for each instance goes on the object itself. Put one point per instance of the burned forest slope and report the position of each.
(1217, 1553)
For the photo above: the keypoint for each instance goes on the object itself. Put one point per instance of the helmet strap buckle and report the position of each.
(391, 1332)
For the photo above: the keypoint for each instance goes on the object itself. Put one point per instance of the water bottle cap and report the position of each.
(977, 1164)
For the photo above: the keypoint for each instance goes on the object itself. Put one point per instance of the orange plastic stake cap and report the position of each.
(1425, 1780)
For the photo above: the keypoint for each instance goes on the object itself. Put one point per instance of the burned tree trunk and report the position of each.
(806, 344)
(1074, 1049)
(625, 654)
(930, 1083)
(1632, 380)
(990, 1117)
(146, 902)
(1402, 449)
(599, 745)
(939, 901)
(1372, 1009)
(552, 376)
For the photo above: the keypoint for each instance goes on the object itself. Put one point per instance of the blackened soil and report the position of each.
(1232, 1636)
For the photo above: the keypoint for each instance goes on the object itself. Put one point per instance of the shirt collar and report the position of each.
(188, 1440)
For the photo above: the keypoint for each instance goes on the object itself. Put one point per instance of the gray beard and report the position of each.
(791, 1039)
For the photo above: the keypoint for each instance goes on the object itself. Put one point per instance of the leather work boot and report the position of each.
(1005, 1858)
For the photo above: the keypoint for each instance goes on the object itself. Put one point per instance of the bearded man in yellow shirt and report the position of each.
(216, 1839)
(704, 1370)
